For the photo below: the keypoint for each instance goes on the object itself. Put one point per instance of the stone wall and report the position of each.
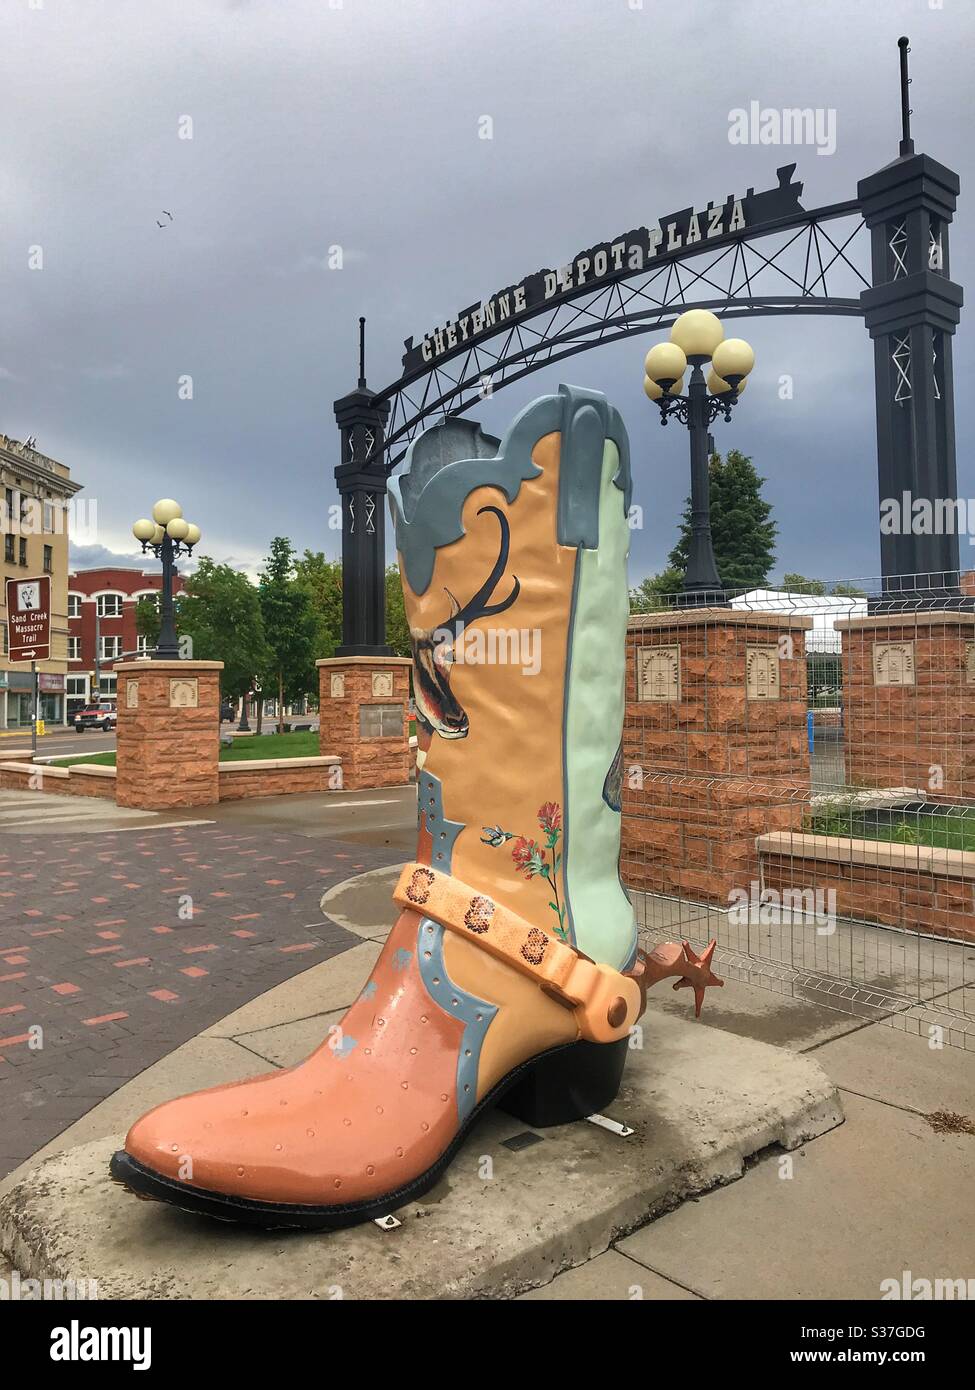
(236, 781)
(909, 702)
(63, 781)
(167, 736)
(346, 686)
(908, 886)
(715, 747)
(278, 777)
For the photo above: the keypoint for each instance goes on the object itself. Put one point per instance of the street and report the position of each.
(56, 743)
(124, 937)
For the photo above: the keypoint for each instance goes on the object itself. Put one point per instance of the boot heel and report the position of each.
(569, 1085)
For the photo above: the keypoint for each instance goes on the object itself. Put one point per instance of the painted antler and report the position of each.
(477, 606)
(438, 710)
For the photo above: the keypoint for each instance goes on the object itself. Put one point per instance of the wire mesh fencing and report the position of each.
(799, 783)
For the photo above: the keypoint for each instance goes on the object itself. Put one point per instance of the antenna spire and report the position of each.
(907, 144)
(362, 354)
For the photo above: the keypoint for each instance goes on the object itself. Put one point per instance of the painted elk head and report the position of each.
(438, 709)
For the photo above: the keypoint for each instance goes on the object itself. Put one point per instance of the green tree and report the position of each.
(219, 612)
(147, 619)
(322, 581)
(653, 592)
(742, 531)
(397, 627)
(799, 584)
(290, 627)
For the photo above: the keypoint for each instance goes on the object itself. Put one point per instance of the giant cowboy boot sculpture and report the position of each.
(512, 974)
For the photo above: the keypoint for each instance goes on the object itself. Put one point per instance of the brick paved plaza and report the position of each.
(117, 947)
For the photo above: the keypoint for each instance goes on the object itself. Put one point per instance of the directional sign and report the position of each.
(29, 618)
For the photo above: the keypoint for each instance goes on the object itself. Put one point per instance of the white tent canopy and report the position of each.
(824, 609)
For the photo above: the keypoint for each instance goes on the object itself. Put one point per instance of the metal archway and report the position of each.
(806, 272)
(882, 257)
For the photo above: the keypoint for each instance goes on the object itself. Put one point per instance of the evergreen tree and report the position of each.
(742, 532)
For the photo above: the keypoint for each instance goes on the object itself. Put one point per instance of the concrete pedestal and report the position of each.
(364, 718)
(909, 702)
(714, 746)
(699, 1102)
(168, 734)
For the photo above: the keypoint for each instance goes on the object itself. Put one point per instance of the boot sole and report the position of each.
(560, 1086)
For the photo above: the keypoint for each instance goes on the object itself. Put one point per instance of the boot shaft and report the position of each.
(513, 557)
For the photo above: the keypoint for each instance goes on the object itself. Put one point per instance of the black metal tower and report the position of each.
(361, 481)
(911, 312)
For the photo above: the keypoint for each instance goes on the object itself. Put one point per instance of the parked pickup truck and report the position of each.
(101, 716)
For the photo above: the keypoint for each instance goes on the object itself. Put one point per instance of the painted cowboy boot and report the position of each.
(512, 974)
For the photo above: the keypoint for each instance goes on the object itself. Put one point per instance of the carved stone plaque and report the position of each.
(762, 673)
(382, 685)
(132, 695)
(184, 693)
(338, 685)
(970, 663)
(893, 663)
(658, 673)
(381, 721)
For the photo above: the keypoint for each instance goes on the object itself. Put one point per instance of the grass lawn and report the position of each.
(300, 745)
(955, 830)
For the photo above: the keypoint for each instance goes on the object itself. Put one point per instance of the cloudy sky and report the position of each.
(355, 123)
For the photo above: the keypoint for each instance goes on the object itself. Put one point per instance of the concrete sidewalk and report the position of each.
(886, 1192)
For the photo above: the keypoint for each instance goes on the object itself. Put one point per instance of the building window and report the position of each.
(23, 551)
(3, 639)
(142, 644)
(110, 605)
(8, 507)
(8, 549)
(109, 648)
(74, 648)
(48, 559)
(109, 686)
(74, 605)
(48, 517)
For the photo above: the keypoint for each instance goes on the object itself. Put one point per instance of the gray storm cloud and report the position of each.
(356, 125)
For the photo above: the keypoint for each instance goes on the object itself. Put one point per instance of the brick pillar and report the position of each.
(168, 734)
(714, 746)
(909, 702)
(363, 702)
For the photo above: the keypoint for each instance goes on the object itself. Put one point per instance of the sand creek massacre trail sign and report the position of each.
(29, 618)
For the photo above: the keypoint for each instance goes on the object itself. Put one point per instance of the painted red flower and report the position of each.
(550, 816)
(528, 856)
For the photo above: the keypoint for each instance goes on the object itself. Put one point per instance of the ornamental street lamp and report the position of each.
(696, 338)
(168, 536)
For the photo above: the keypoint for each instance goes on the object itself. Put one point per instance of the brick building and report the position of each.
(101, 606)
(36, 510)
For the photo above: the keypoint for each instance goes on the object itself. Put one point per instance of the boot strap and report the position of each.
(606, 1003)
